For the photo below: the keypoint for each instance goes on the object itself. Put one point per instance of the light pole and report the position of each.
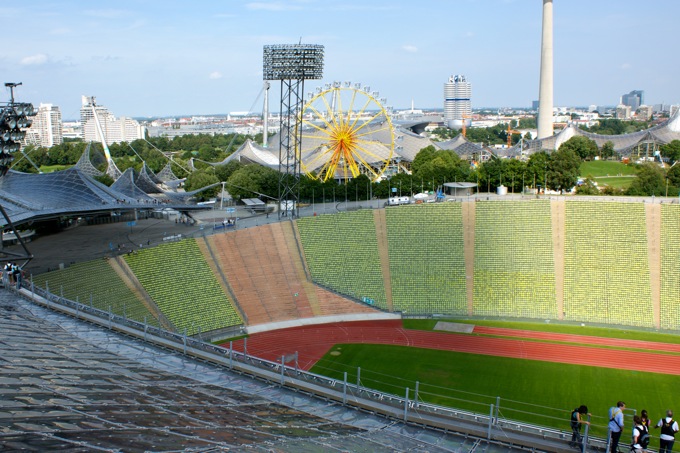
(222, 195)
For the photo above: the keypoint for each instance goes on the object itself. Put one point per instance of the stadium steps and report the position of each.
(557, 213)
(384, 253)
(288, 246)
(514, 264)
(468, 219)
(653, 224)
(341, 251)
(243, 274)
(178, 278)
(121, 268)
(607, 273)
(96, 283)
(322, 302)
(209, 256)
(669, 316)
(427, 262)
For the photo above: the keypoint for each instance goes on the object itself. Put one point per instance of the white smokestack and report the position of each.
(545, 92)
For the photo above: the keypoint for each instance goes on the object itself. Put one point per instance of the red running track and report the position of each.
(578, 339)
(312, 342)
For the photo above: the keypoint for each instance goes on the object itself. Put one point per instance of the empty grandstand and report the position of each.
(342, 254)
(513, 260)
(96, 283)
(179, 280)
(606, 265)
(427, 262)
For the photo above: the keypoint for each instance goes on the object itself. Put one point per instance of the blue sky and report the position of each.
(168, 57)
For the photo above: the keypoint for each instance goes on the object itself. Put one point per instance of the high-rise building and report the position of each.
(634, 99)
(645, 113)
(623, 112)
(457, 104)
(46, 128)
(114, 130)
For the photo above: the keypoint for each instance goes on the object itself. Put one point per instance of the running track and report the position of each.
(312, 342)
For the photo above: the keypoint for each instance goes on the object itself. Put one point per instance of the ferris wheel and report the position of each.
(346, 131)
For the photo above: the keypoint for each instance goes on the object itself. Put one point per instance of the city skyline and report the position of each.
(171, 58)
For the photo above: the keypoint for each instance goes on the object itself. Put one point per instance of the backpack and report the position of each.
(643, 438)
(574, 419)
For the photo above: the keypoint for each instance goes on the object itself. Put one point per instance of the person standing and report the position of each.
(668, 429)
(615, 425)
(576, 422)
(644, 416)
(640, 435)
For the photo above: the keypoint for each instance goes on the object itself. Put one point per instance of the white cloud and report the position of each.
(215, 75)
(626, 66)
(410, 48)
(34, 60)
(272, 6)
(106, 13)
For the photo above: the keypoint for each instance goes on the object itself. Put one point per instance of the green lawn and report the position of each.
(53, 168)
(617, 182)
(537, 392)
(598, 168)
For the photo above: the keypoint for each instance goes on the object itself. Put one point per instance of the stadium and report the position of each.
(343, 306)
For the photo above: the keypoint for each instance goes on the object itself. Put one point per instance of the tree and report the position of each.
(673, 175)
(650, 181)
(671, 150)
(583, 147)
(223, 172)
(253, 180)
(515, 174)
(200, 179)
(588, 188)
(607, 150)
(537, 167)
(563, 170)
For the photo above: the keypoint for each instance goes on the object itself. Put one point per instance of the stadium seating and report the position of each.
(179, 280)
(514, 272)
(606, 266)
(427, 263)
(670, 269)
(97, 281)
(342, 254)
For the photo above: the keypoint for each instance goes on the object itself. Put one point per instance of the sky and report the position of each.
(155, 58)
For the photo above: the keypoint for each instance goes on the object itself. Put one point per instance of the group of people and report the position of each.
(11, 274)
(641, 434)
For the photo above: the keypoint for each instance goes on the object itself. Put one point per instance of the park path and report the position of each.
(312, 342)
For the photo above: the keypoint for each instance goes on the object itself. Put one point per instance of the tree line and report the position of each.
(558, 170)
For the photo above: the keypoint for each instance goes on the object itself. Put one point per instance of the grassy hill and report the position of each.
(609, 173)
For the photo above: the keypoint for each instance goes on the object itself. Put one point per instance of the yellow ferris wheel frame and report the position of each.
(334, 137)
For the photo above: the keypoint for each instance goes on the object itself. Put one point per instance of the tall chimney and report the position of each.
(545, 92)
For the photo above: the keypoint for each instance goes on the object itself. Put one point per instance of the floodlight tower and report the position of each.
(292, 64)
(14, 116)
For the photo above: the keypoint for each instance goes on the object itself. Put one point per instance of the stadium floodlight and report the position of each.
(293, 62)
(14, 116)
